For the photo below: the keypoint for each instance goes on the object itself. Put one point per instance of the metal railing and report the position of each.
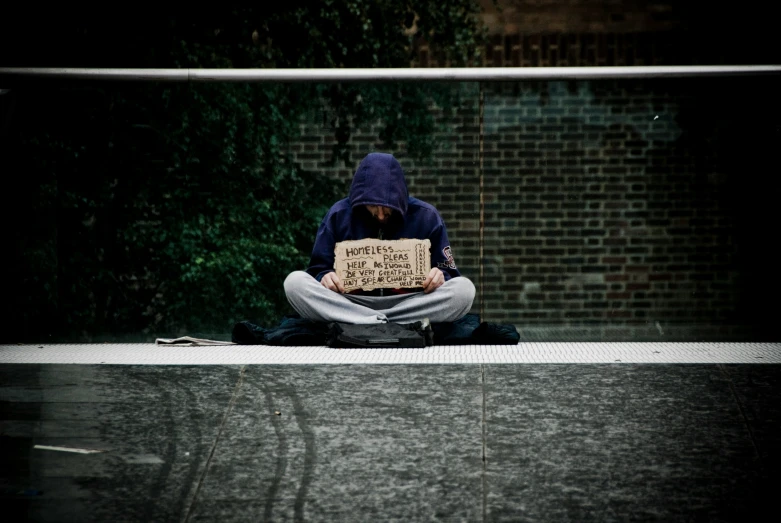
(465, 74)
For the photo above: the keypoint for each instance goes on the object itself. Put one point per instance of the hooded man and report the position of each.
(379, 206)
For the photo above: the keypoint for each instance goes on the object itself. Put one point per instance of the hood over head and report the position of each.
(379, 180)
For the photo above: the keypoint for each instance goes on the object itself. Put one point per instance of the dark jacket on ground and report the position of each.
(379, 180)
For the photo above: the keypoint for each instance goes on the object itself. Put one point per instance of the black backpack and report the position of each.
(345, 335)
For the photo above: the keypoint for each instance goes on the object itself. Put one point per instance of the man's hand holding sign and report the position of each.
(433, 281)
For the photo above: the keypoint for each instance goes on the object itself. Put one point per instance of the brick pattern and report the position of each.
(599, 208)
(565, 50)
(580, 16)
(574, 50)
(593, 215)
(590, 49)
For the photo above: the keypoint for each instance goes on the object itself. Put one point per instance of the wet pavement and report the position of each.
(460, 442)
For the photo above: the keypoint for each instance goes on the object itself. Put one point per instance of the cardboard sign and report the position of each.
(376, 264)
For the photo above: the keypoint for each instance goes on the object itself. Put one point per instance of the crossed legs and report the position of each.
(311, 300)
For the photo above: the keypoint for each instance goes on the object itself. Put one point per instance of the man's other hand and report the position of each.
(433, 281)
(332, 282)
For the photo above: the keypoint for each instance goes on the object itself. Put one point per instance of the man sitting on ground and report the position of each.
(379, 206)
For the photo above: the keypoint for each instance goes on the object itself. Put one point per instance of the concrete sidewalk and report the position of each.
(464, 442)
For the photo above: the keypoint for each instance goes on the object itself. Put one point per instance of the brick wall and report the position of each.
(567, 50)
(605, 202)
(594, 213)
(589, 49)
(582, 16)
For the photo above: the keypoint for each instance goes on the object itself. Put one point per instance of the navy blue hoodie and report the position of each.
(379, 180)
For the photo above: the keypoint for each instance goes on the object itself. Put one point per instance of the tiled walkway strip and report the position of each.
(531, 352)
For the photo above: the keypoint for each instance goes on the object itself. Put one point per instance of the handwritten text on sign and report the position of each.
(390, 264)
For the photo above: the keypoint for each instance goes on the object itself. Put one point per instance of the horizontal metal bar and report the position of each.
(75, 73)
(465, 74)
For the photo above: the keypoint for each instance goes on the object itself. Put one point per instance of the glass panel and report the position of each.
(632, 210)
(158, 210)
(613, 210)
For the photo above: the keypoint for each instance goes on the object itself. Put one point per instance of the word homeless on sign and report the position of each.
(382, 264)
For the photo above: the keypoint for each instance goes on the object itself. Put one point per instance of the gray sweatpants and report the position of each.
(311, 300)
